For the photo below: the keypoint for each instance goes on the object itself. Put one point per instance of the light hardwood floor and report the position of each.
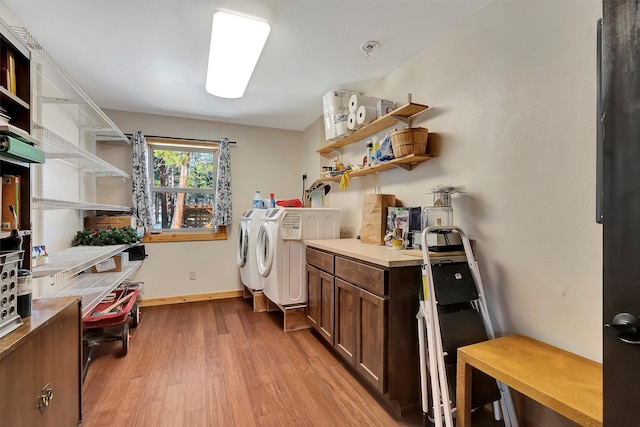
(217, 363)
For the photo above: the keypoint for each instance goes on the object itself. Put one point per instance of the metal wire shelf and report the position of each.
(48, 204)
(65, 92)
(68, 262)
(56, 147)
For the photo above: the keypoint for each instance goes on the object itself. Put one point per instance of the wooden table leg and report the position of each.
(463, 392)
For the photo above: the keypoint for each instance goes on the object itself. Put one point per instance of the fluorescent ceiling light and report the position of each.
(236, 44)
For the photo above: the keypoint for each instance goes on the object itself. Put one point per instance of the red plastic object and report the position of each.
(116, 317)
(291, 203)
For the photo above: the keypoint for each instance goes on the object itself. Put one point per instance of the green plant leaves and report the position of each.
(108, 236)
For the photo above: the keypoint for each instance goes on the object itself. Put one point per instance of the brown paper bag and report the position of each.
(374, 217)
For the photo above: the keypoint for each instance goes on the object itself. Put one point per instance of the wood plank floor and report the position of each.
(217, 363)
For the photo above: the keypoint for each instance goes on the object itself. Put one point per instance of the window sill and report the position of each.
(197, 236)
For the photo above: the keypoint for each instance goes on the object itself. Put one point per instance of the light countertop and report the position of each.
(375, 254)
(42, 313)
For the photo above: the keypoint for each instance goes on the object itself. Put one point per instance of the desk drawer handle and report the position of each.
(625, 327)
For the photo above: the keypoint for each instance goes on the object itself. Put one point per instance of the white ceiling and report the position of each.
(150, 56)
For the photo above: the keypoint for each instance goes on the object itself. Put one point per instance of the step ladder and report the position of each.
(453, 313)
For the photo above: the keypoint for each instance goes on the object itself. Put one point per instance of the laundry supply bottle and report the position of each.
(376, 146)
(273, 200)
(257, 200)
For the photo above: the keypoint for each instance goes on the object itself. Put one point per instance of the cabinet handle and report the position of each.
(46, 395)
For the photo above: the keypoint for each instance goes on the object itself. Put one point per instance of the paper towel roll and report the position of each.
(357, 100)
(352, 122)
(366, 115)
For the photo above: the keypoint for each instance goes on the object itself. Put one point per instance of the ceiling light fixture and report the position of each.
(236, 44)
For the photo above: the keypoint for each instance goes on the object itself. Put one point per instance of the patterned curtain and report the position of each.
(222, 203)
(141, 189)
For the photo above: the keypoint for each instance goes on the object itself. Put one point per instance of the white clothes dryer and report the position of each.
(250, 223)
(281, 254)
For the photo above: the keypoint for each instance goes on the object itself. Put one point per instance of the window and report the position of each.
(182, 184)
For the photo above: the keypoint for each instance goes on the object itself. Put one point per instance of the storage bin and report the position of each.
(409, 141)
(102, 222)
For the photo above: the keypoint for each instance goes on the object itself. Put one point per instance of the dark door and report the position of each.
(371, 339)
(621, 208)
(313, 296)
(326, 324)
(345, 327)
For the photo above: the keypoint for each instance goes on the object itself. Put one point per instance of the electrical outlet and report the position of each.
(304, 176)
(192, 275)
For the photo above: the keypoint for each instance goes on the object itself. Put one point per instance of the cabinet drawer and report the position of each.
(367, 277)
(322, 260)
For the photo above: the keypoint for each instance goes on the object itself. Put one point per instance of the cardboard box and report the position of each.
(102, 222)
(10, 196)
(114, 264)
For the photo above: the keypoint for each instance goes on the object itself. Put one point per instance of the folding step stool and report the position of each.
(453, 313)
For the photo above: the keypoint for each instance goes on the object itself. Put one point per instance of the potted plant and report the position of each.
(108, 236)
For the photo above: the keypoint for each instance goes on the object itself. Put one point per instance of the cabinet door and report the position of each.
(51, 358)
(371, 339)
(21, 373)
(314, 298)
(327, 306)
(62, 368)
(345, 316)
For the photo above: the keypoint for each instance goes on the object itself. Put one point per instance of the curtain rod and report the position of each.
(217, 141)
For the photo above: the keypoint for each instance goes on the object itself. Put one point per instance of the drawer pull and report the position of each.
(46, 395)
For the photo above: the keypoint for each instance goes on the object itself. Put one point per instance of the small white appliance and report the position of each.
(281, 254)
(247, 239)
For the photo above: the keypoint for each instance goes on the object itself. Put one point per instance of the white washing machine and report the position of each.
(250, 223)
(281, 254)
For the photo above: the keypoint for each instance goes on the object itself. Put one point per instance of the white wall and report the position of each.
(512, 96)
(263, 159)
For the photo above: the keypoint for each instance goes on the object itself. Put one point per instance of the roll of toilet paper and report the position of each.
(342, 129)
(357, 100)
(329, 129)
(352, 122)
(366, 115)
(335, 100)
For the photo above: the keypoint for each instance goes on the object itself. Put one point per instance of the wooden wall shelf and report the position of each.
(405, 162)
(401, 114)
(8, 96)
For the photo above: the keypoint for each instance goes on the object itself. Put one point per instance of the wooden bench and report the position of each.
(565, 382)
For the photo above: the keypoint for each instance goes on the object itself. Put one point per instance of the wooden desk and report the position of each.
(565, 382)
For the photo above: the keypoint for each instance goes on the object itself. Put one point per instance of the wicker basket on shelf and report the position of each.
(409, 141)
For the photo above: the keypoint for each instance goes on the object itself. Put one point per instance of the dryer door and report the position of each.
(243, 244)
(264, 250)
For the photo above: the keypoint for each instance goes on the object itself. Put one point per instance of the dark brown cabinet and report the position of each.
(15, 80)
(345, 325)
(15, 121)
(371, 312)
(371, 318)
(360, 332)
(320, 310)
(40, 378)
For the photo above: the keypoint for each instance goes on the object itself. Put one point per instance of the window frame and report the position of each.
(187, 234)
